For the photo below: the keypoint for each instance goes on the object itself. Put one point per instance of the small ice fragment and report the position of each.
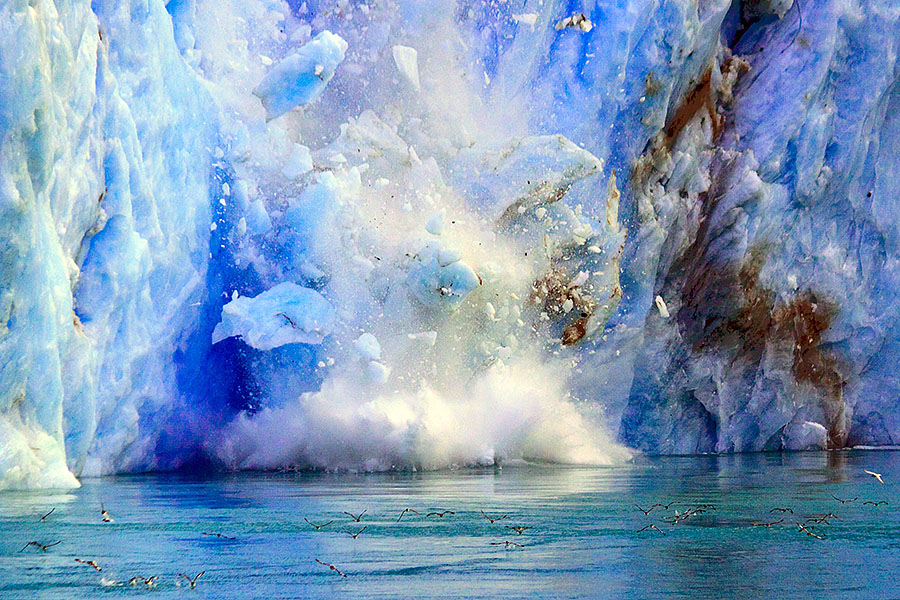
(407, 61)
(490, 311)
(594, 249)
(242, 226)
(378, 372)
(226, 189)
(426, 337)
(368, 347)
(298, 163)
(213, 226)
(435, 224)
(578, 21)
(382, 182)
(661, 306)
(540, 212)
(568, 305)
(579, 280)
(526, 18)
(301, 77)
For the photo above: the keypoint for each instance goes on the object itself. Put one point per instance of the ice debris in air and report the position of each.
(407, 61)
(301, 77)
(284, 314)
(578, 21)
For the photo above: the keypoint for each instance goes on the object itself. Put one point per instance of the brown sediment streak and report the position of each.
(759, 320)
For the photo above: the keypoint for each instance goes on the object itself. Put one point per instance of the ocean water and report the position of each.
(581, 542)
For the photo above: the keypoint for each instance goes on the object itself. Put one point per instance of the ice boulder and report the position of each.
(438, 277)
(301, 77)
(284, 314)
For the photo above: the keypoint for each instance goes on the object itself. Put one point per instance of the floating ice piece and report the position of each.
(524, 174)
(301, 77)
(526, 18)
(578, 21)
(298, 163)
(284, 314)
(435, 284)
(661, 307)
(368, 347)
(407, 61)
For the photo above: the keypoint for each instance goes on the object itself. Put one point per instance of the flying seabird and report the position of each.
(876, 476)
(218, 535)
(845, 501)
(768, 524)
(193, 581)
(358, 517)
(332, 567)
(48, 514)
(43, 547)
(782, 510)
(809, 533)
(651, 526)
(647, 511)
(91, 563)
(104, 514)
(318, 527)
(406, 510)
(355, 535)
(875, 503)
(440, 514)
(492, 520)
(507, 543)
(519, 529)
(665, 506)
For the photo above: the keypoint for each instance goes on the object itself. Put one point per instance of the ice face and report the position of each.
(666, 224)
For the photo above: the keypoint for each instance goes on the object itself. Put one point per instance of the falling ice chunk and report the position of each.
(578, 21)
(378, 372)
(368, 347)
(661, 306)
(298, 163)
(301, 77)
(284, 314)
(526, 18)
(435, 224)
(407, 61)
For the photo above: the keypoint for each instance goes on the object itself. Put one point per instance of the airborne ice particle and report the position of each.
(661, 306)
(578, 21)
(301, 77)
(368, 347)
(407, 61)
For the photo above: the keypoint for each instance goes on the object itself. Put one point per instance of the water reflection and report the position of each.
(582, 540)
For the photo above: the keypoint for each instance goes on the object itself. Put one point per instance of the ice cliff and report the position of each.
(419, 233)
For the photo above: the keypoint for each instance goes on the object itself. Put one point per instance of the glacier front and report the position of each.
(422, 233)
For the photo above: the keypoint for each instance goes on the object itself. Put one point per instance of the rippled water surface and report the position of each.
(581, 540)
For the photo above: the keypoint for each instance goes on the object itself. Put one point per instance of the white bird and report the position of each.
(876, 476)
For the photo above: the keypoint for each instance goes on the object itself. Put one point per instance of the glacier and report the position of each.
(423, 233)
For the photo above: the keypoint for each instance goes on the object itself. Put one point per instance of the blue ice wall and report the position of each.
(143, 189)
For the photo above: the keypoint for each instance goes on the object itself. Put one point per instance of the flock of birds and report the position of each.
(437, 514)
(687, 511)
(803, 527)
(133, 581)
